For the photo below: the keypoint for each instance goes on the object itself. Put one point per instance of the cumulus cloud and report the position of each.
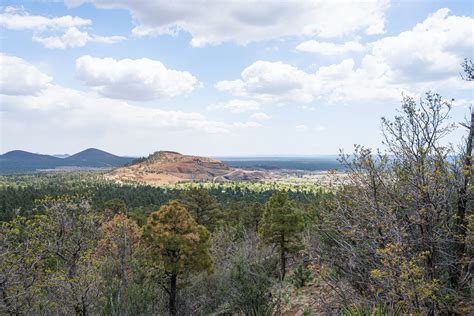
(29, 96)
(271, 82)
(260, 116)
(328, 48)
(277, 82)
(64, 31)
(18, 77)
(423, 58)
(431, 50)
(245, 21)
(344, 82)
(16, 18)
(69, 108)
(71, 116)
(75, 38)
(134, 79)
(237, 106)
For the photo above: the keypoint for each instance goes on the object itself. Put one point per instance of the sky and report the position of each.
(223, 78)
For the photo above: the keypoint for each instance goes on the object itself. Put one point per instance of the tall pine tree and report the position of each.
(179, 243)
(281, 226)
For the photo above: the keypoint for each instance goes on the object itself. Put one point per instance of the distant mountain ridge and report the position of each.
(98, 157)
(19, 161)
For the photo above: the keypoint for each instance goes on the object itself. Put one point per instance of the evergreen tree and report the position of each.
(281, 225)
(252, 215)
(203, 207)
(114, 207)
(179, 243)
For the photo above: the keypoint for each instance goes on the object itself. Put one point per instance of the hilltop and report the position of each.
(18, 161)
(168, 167)
(97, 158)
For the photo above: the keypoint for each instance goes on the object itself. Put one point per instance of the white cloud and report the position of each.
(260, 116)
(276, 82)
(245, 21)
(237, 106)
(271, 82)
(106, 39)
(71, 38)
(18, 77)
(18, 19)
(133, 79)
(344, 82)
(328, 48)
(65, 29)
(425, 58)
(432, 50)
(75, 38)
(34, 98)
(66, 109)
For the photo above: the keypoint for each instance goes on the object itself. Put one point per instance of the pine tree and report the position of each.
(281, 226)
(179, 243)
(114, 207)
(252, 215)
(203, 207)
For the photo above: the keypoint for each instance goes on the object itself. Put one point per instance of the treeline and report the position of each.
(19, 194)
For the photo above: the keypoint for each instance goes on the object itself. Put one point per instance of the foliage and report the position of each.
(391, 231)
(379, 310)
(117, 253)
(58, 259)
(281, 226)
(19, 193)
(202, 206)
(251, 283)
(178, 243)
(252, 217)
(301, 276)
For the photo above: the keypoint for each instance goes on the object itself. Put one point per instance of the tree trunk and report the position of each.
(463, 198)
(282, 257)
(172, 300)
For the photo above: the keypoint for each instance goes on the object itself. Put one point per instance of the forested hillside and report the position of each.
(396, 238)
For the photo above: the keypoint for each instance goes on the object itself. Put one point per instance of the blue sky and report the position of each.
(236, 77)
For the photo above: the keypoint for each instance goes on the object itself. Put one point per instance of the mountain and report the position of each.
(21, 155)
(93, 157)
(168, 167)
(19, 161)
